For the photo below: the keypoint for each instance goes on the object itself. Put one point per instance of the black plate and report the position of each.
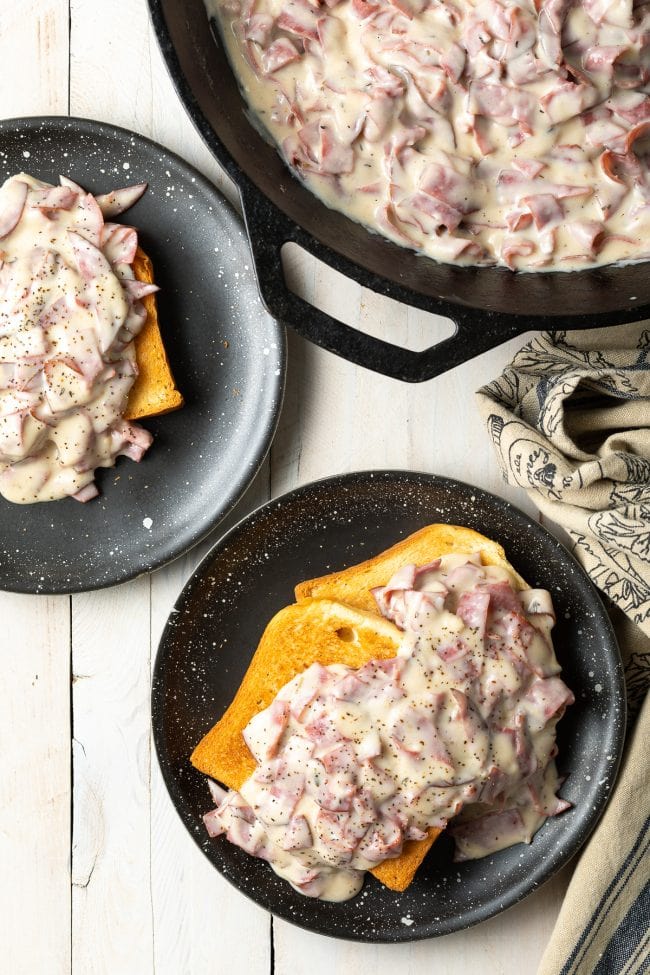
(227, 354)
(250, 574)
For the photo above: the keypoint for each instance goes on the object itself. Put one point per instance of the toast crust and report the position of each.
(353, 585)
(314, 631)
(154, 391)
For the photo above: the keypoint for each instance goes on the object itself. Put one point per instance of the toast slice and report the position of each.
(335, 620)
(299, 635)
(353, 585)
(314, 631)
(154, 392)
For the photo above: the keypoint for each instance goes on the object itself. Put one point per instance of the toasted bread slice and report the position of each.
(336, 620)
(298, 636)
(354, 585)
(314, 631)
(154, 391)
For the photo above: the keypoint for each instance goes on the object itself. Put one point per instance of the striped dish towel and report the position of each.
(570, 422)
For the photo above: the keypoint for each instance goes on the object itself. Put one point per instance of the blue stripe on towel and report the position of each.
(625, 941)
(645, 965)
(598, 916)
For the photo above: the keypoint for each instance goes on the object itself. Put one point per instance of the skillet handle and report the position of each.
(266, 240)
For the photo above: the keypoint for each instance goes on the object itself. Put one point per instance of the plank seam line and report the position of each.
(272, 946)
(71, 703)
(69, 54)
(71, 676)
(71, 673)
(151, 904)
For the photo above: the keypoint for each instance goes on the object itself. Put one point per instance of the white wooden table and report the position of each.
(97, 873)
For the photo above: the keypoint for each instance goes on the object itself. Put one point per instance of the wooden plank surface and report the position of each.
(35, 788)
(201, 924)
(35, 783)
(172, 918)
(141, 898)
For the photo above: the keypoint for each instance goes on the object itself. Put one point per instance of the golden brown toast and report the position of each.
(154, 391)
(298, 636)
(353, 585)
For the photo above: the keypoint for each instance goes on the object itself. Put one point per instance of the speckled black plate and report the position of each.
(250, 574)
(227, 354)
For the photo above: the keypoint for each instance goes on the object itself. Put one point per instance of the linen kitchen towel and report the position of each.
(570, 421)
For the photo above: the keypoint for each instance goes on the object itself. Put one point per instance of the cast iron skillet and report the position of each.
(250, 574)
(487, 305)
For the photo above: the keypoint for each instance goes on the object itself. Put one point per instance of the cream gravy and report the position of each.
(69, 311)
(477, 133)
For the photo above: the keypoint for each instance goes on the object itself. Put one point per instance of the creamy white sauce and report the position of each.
(67, 358)
(392, 107)
(351, 764)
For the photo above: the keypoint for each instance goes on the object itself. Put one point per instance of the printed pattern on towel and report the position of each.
(570, 421)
